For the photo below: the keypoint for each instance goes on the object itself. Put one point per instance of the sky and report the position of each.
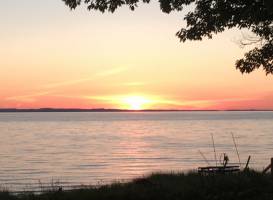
(54, 57)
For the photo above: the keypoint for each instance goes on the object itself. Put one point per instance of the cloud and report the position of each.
(159, 100)
(27, 98)
(112, 72)
(195, 103)
(105, 73)
(134, 84)
(67, 83)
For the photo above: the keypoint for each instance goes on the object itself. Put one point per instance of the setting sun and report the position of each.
(135, 102)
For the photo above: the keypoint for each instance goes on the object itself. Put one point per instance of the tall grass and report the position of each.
(249, 185)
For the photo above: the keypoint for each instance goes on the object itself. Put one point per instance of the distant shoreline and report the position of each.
(9, 110)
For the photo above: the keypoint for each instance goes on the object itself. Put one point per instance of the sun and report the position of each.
(135, 102)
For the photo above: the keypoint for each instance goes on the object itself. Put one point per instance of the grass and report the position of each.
(170, 186)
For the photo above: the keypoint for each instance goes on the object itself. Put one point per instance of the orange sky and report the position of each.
(52, 57)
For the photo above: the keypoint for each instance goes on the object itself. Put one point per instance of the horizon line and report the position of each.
(117, 110)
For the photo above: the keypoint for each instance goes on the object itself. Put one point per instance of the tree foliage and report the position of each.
(210, 17)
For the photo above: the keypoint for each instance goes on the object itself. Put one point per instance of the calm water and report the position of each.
(88, 148)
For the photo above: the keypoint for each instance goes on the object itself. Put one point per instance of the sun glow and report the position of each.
(135, 102)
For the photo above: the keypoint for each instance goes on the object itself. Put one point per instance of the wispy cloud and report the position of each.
(111, 72)
(27, 98)
(168, 101)
(105, 73)
(204, 101)
(67, 83)
(117, 100)
(134, 84)
(49, 87)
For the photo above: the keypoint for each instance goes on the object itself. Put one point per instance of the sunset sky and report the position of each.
(54, 57)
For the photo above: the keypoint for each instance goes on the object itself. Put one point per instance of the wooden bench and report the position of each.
(218, 169)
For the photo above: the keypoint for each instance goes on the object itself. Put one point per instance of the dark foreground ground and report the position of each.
(176, 186)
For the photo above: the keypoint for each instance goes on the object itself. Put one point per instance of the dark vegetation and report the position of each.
(210, 17)
(249, 185)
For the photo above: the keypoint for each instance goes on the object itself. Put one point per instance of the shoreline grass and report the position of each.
(249, 185)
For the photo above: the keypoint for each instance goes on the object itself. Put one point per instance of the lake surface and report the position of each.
(92, 148)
